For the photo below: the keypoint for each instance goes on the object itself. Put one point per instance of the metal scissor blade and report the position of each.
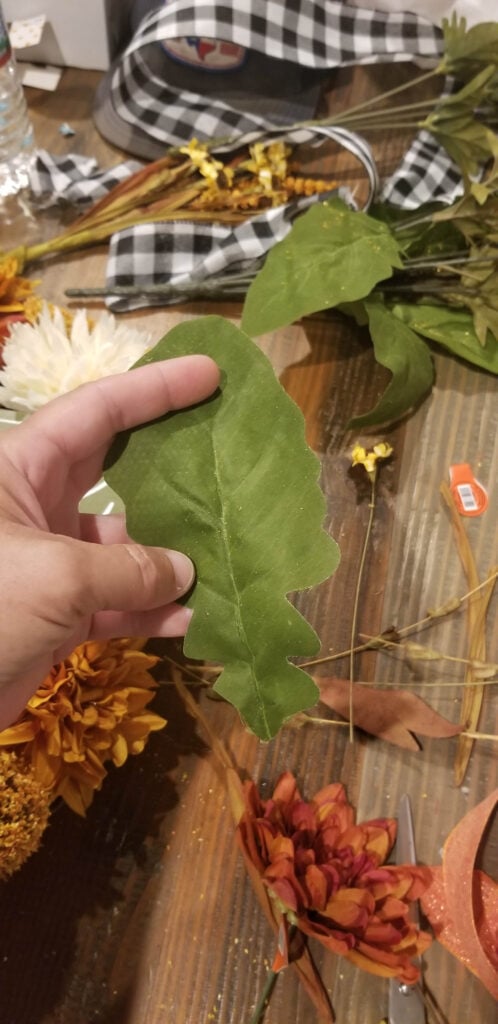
(406, 1004)
(405, 837)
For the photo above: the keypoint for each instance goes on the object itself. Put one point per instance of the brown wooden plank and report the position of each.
(143, 912)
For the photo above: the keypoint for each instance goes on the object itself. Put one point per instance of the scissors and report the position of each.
(406, 1003)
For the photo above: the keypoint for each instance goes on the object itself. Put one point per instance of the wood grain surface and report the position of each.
(142, 912)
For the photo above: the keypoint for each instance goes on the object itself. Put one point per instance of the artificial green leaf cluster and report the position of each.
(452, 329)
(476, 221)
(468, 50)
(464, 120)
(466, 138)
(466, 274)
(233, 483)
(416, 280)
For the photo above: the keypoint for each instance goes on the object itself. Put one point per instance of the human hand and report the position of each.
(67, 577)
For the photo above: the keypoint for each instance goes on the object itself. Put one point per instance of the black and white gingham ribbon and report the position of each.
(75, 178)
(183, 252)
(425, 173)
(317, 34)
(191, 253)
(320, 34)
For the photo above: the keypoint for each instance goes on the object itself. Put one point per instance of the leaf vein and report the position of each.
(229, 563)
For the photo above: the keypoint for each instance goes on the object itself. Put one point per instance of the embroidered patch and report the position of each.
(208, 54)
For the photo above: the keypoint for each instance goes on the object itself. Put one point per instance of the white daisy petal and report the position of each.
(41, 361)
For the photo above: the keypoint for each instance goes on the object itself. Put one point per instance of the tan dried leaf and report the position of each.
(392, 715)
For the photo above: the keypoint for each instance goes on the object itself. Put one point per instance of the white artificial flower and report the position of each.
(41, 361)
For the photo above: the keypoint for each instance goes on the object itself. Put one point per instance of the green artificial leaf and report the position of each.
(331, 255)
(421, 233)
(476, 220)
(485, 318)
(468, 141)
(480, 291)
(465, 50)
(451, 328)
(433, 241)
(233, 483)
(397, 347)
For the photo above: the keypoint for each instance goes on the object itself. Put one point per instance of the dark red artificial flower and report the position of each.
(328, 876)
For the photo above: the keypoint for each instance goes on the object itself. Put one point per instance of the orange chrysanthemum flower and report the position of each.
(329, 878)
(24, 811)
(14, 290)
(90, 709)
(17, 299)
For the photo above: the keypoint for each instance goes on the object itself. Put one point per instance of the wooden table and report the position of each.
(142, 913)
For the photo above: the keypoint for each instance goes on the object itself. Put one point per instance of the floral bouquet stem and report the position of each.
(202, 188)
(199, 188)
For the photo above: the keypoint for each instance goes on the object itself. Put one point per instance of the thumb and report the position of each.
(132, 577)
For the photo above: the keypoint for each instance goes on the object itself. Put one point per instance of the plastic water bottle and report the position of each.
(16, 133)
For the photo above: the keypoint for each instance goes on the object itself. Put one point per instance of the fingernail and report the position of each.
(184, 570)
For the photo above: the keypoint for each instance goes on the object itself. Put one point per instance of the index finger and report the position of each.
(86, 420)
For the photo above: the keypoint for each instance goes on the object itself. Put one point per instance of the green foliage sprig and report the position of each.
(462, 120)
(429, 277)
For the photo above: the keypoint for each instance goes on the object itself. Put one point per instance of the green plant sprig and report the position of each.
(392, 275)
(461, 121)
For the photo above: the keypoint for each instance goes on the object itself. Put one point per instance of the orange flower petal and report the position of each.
(23, 732)
(91, 708)
(406, 972)
(350, 908)
(316, 886)
(330, 875)
(286, 790)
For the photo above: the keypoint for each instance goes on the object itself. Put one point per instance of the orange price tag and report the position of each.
(470, 497)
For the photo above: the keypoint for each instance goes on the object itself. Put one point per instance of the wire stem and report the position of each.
(357, 601)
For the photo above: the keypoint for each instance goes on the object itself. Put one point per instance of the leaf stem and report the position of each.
(411, 222)
(373, 478)
(387, 125)
(264, 999)
(271, 978)
(450, 607)
(325, 721)
(421, 262)
(348, 116)
(437, 656)
(387, 95)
